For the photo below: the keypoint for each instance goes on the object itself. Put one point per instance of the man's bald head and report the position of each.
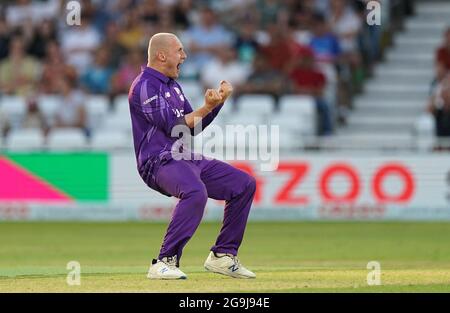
(166, 54)
(160, 43)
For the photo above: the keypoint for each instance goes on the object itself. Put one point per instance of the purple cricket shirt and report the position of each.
(157, 104)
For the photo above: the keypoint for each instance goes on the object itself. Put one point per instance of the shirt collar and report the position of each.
(156, 74)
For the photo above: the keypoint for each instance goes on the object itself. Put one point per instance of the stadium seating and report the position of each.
(369, 142)
(229, 106)
(14, 107)
(110, 139)
(424, 127)
(66, 138)
(121, 105)
(246, 119)
(25, 139)
(193, 91)
(290, 141)
(302, 107)
(97, 109)
(226, 114)
(117, 121)
(291, 123)
(255, 104)
(48, 105)
(234, 141)
(296, 104)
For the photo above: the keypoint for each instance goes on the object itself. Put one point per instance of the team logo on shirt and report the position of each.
(178, 112)
(178, 91)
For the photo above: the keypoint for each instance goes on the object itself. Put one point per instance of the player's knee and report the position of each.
(199, 199)
(198, 196)
(251, 184)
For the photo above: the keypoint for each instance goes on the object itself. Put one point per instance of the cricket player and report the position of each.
(157, 105)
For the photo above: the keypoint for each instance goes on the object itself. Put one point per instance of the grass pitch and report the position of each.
(286, 257)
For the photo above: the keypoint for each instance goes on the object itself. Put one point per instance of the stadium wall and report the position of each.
(100, 186)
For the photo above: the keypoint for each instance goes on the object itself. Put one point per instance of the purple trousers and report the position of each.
(193, 182)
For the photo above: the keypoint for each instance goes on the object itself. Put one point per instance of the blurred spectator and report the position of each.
(346, 24)
(115, 8)
(228, 66)
(5, 37)
(305, 76)
(112, 44)
(312, 5)
(78, 44)
(43, 34)
(182, 14)
(439, 103)
(127, 72)
(263, 80)
(310, 81)
(19, 73)
(281, 51)
(165, 23)
(370, 39)
(246, 43)
(301, 22)
(34, 118)
(327, 51)
(233, 12)
(97, 78)
(324, 42)
(27, 31)
(54, 70)
(205, 40)
(72, 111)
(97, 14)
(443, 52)
(149, 11)
(269, 11)
(131, 34)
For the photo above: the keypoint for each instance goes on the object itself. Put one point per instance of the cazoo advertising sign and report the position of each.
(310, 186)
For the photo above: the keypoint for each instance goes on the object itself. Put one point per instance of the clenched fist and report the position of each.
(212, 99)
(225, 90)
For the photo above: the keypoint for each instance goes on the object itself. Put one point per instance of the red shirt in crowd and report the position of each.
(308, 78)
(280, 54)
(443, 56)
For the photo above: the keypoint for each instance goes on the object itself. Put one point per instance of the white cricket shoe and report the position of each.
(165, 269)
(227, 264)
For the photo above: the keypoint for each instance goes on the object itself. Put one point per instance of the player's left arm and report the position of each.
(225, 89)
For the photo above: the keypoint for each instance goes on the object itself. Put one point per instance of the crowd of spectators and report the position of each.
(322, 48)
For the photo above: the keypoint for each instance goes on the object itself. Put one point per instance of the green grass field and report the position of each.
(286, 257)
